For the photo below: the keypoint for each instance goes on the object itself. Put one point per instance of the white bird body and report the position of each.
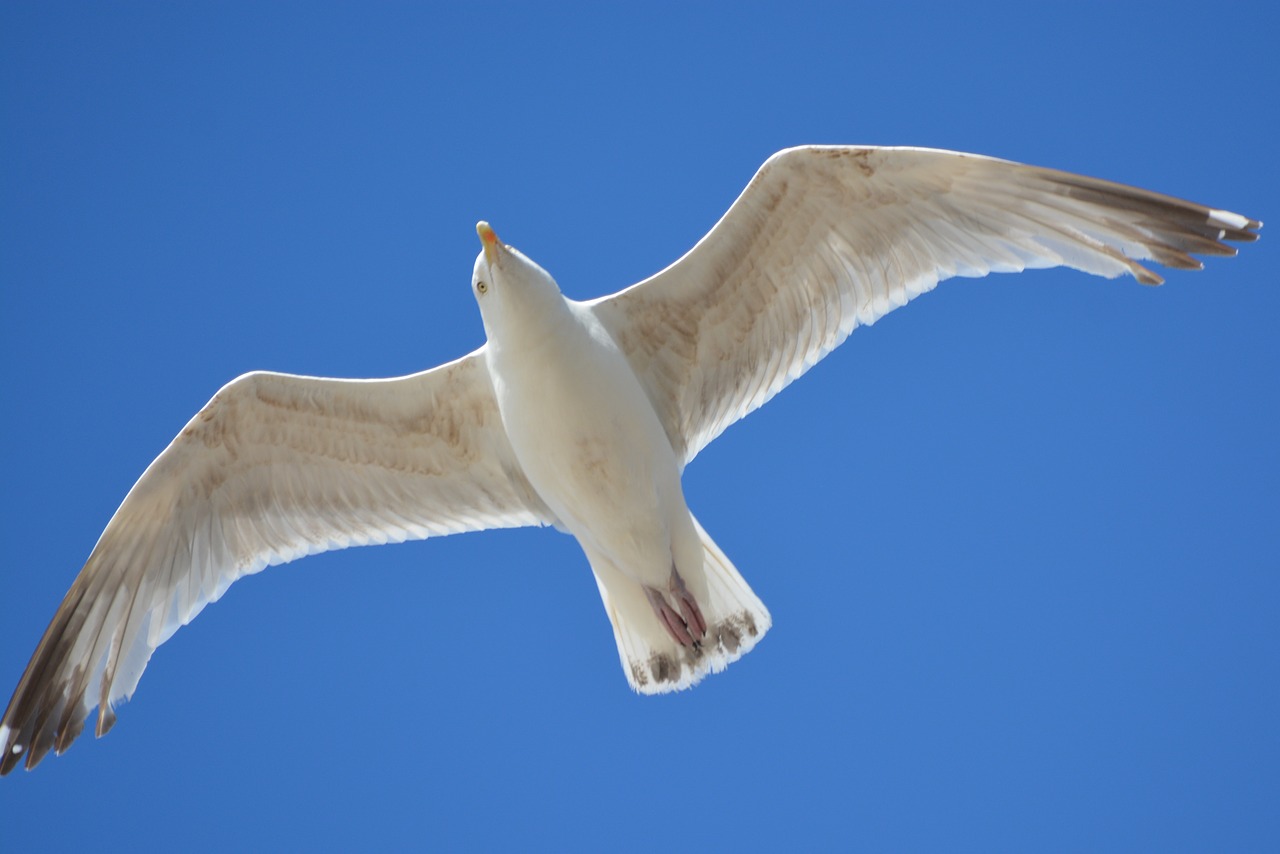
(587, 437)
(591, 444)
(581, 415)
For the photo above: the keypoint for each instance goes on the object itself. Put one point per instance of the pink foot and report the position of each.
(693, 619)
(687, 626)
(670, 620)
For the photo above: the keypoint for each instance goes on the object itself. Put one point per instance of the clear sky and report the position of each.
(1019, 539)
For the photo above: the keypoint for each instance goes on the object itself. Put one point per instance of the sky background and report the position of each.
(1019, 540)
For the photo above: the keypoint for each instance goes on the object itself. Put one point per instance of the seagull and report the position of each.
(577, 415)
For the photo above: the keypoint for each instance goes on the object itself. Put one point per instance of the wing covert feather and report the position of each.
(274, 467)
(827, 238)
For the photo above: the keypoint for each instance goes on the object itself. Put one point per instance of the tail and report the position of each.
(653, 662)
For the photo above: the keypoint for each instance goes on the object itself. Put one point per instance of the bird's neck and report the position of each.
(531, 325)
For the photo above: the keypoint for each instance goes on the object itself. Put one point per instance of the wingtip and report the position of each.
(12, 752)
(1144, 275)
(1232, 221)
(106, 720)
(1233, 226)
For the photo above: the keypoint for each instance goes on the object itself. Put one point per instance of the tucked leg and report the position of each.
(693, 619)
(674, 624)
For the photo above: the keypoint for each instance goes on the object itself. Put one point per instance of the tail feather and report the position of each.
(652, 661)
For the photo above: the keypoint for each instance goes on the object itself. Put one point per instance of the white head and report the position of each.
(508, 285)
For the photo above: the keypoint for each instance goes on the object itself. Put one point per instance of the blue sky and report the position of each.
(1019, 539)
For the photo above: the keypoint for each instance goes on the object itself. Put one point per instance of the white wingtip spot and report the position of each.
(1228, 219)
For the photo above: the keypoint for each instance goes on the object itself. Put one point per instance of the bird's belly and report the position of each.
(591, 444)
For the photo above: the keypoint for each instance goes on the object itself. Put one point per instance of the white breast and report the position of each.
(591, 444)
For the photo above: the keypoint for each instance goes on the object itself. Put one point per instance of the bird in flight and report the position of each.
(579, 415)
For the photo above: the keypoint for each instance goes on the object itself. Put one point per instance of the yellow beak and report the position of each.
(488, 240)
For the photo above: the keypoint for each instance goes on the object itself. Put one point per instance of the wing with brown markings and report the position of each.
(273, 468)
(825, 239)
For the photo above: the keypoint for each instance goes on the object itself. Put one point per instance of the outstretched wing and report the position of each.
(824, 239)
(273, 468)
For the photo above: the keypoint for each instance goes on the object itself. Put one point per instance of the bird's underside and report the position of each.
(822, 240)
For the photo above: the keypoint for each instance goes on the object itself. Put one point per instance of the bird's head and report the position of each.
(506, 283)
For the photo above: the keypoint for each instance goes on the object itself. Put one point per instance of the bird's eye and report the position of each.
(482, 288)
